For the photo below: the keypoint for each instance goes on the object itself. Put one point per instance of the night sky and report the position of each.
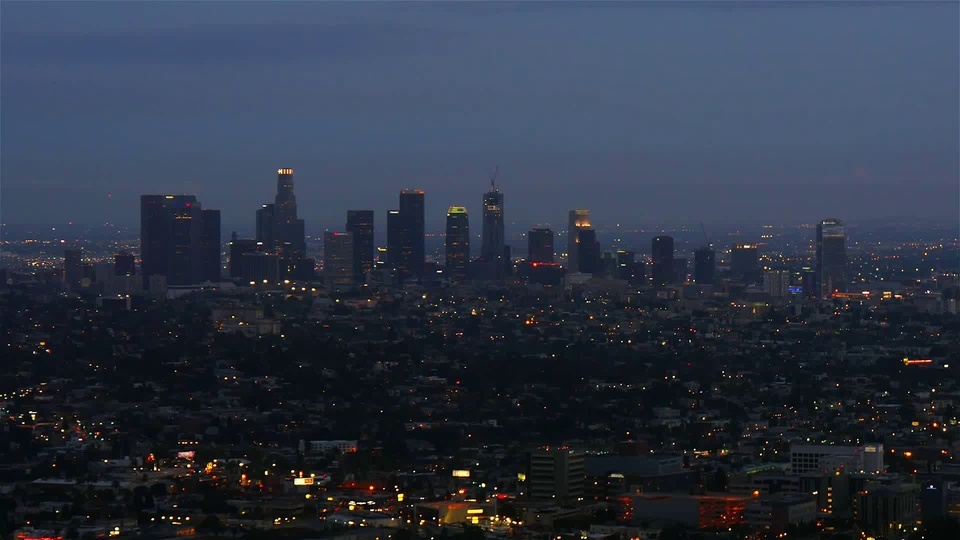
(642, 112)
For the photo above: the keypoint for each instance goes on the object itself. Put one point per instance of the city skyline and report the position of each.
(787, 129)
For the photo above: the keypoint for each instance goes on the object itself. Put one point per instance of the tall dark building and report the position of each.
(210, 246)
(238, 248)
(288, 228)
(360, 225)
(662, 256)
(680, 270)
(492, 241)
(124, 264)
(171, 238)
(626, 265)
(265, 226)
(831, 257)
(72, 268)
(588, 252)
(338, 259)
(577, 219)
(745, 262)
(457, 243)
(412, 231)
(394, 226)
(540, 245)
(704, 266)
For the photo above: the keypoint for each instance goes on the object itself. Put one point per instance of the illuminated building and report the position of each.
(124, 264)
(578, 219)
(540, 245)
(360, 225)
(265, 226)
(745, 262)
(337, 258)
(626, 265)
(777, 282)
(72, 268)
(714, 511)
(704, 266)
(288, 228)
(210, 246)
(393, 238)
(175, 239)
(831, 257)
(588, 252)
(457, 243)
(556, 474)
(814, 458)
(492, 239)
(411, 234)
(662, 256)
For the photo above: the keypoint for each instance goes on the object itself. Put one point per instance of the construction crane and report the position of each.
(706, 238)
(493, 178)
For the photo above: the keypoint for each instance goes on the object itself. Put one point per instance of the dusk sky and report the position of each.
(642, 112)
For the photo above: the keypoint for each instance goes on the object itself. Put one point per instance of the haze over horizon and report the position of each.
(650, 112)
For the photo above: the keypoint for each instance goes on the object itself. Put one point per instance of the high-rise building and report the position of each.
(662, 258)
(578, 219)
(492, 240)
(745, 262)
(588, 252)
(124, 264)
(288, 228)
(777, 282)
(556, 474)
(457, 243)
(394, 226)
(831, 257)
(626, 265)
(412, 231)
(238, 248)
(171, 238)
(540, 245)
(260, 267)
(210, 246)
(72, 268)
(338, 258)
(265, 225)
(680, 270)
(360, 225)
(704, 265)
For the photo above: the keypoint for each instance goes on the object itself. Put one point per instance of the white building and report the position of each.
(807, 458)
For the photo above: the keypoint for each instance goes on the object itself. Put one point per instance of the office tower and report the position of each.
(680, 270)
(704, 265)
(578, 219)
(588, 252)
(662, 256)
(288, 228)
(210, 246)
(171, 238)
(745, 262)
(808, 282)
(238, 248)
(338, 258)
(608, 264)
(394, 226)
(626, 264)
(831, 257)
(360, 225)
(72, 268)
(260, 267)
(556, 474)
(124, 264)
(492, 240)
(540, 245)
(777, 282)
(412, 249)
(265, 225)
(457, 243)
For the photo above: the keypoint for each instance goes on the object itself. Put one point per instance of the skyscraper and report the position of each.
(238, 248)
(171, 238)
(210, 246)
(124, 264)
(338, 258)
(265, 226)
(394, 226)
(412, 249)
(831, 257)
(540, 245)
(72, 268)
(578, 219)
(288, 228)
(360, 225)
(588, 252)
(704, 265)
(662, 257)
(777, 282)
(745, 262)
(457, 243)
(492, 241)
